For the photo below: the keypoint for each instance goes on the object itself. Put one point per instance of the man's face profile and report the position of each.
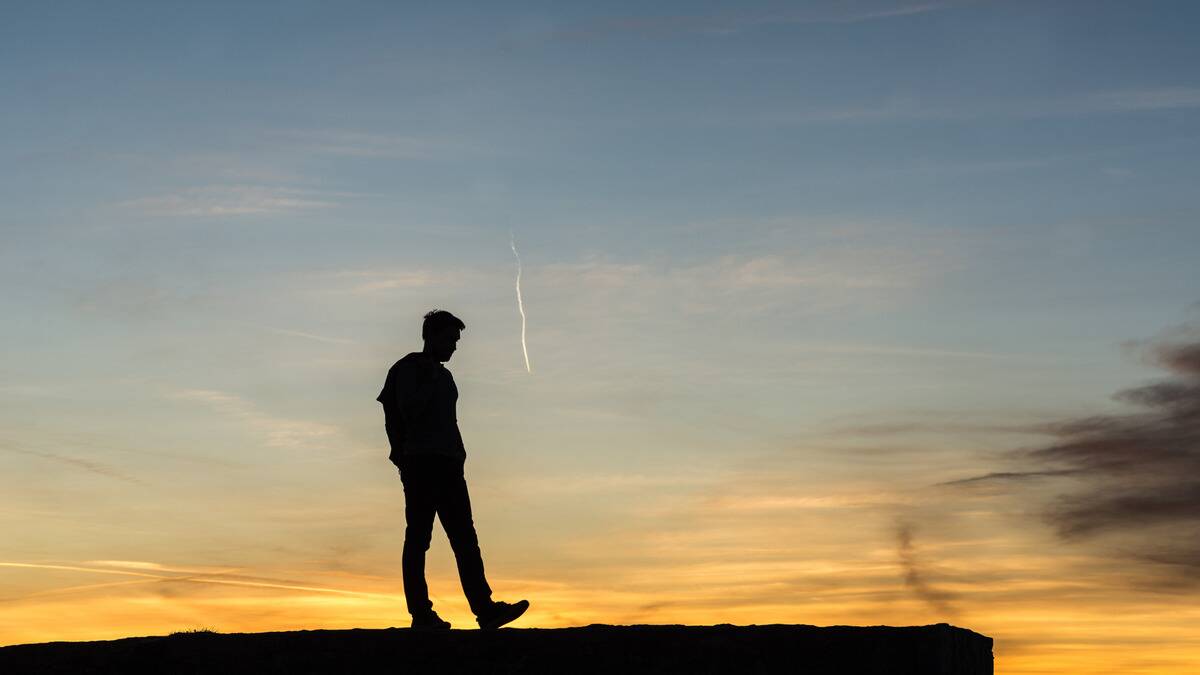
(443, 343)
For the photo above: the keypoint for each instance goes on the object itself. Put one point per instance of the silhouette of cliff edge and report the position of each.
(939, 649)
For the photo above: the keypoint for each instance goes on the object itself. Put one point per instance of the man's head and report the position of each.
(441, 331)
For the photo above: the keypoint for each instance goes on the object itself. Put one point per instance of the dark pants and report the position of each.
(434, 484)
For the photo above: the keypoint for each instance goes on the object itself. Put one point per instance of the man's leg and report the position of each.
(420, 504)
(454, 510)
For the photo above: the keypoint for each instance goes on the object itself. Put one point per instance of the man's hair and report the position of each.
(439, 320)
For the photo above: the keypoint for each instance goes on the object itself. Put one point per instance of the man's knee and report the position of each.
(462, 535)
(417, 538)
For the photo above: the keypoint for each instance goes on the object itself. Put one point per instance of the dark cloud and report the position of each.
(915, 579)
(1103, 510)
(1180, 358)
(1134, 477)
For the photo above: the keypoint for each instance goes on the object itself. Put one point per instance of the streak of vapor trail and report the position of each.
(512, 241)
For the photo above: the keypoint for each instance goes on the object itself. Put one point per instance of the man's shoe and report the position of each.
(502, 613)
(430, 621)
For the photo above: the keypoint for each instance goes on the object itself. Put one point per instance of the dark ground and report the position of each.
(940, 649)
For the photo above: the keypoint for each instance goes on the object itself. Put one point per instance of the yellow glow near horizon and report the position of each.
(1031, 637)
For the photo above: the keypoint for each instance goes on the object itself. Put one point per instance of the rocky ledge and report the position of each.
(940, 649)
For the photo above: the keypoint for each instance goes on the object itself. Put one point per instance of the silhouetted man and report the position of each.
(418, 400)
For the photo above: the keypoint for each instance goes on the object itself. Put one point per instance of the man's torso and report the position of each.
(431, 428)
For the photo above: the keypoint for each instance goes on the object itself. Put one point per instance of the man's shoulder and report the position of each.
(412, 359)
(414, 362)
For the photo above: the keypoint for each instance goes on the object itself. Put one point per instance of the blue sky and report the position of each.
(746, 229)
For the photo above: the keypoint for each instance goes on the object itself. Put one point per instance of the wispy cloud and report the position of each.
(1159, 98)
(90, 465)
(1005, 476)
(130, 298)
(313, 336)
(246, 164)
(749, 503)
(862, 349)
(733, 22)
(369, 281)
(375, 281)
(154, 572)
(278, 432)
(748, 273)
(235, 200)
(834, 276)
(877, 429)
(1075, 104)
(605, 483)
(351, 143)
(775, 271)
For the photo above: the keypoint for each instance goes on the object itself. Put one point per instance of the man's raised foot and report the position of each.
(501, 613)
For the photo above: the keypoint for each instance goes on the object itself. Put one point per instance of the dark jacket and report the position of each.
(419, 399)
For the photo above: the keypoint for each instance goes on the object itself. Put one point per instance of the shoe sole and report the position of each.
(516, 612)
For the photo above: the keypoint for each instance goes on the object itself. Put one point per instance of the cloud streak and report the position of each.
(234, 200)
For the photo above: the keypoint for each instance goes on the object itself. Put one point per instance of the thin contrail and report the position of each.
(512, 241)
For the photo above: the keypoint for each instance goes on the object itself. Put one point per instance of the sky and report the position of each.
(858, 312)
